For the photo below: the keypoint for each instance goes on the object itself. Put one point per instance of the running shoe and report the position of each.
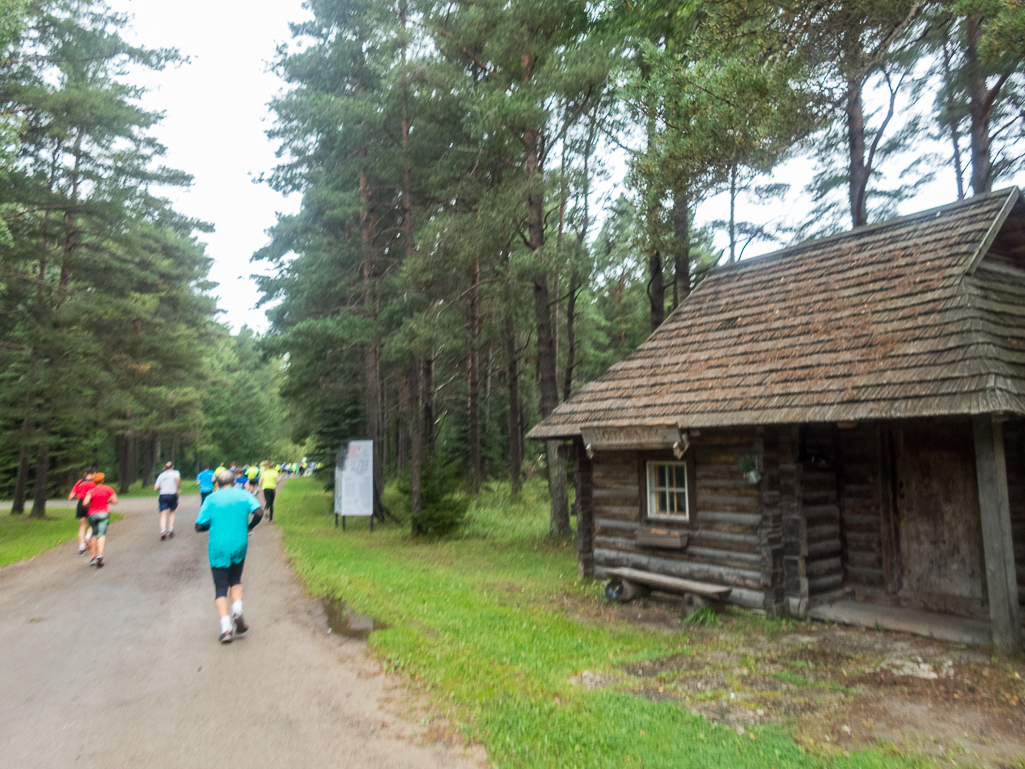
(170, 533)
(163, 536)
(227, 637)
(93, 561)
(82, 549)
(99, 562)
(240, 624)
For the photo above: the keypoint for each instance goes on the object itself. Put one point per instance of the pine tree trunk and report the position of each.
(149, 463)
(980, 103)
(430, 410)
(571, 336)
(24, 450)
(42, 465)
(952, 121)
(416, 438)
(121, 452)
(402, 423)
(656, 289)
(733, 213)
(859, 171)
(515, 436)
(133, 459)
(546, 361)
(681, 233)
(473, 377)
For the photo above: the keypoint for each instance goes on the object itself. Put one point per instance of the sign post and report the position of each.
(354, 481)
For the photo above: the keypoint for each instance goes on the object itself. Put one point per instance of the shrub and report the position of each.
(444, 505)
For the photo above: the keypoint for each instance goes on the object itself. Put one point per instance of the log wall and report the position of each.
(725, 539)
(820, 508)
(863, 489)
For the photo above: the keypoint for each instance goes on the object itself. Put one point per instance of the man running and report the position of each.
(82, 512)
(206, 483)
(225, 514)
(98, 501)
(269, 481)
(168, 486)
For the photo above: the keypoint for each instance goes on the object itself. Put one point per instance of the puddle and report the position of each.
(348, 623)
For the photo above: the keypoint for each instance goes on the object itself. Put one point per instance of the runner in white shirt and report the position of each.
(168, 485)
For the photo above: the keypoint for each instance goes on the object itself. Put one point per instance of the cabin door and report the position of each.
(938, 523)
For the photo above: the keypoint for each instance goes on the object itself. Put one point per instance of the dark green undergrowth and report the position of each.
(22, 536)
(484, 623)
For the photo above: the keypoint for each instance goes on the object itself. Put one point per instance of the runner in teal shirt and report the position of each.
(206, 483)
(225, 514)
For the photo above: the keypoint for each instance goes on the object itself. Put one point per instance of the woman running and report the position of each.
(98, 502)
(82, 513)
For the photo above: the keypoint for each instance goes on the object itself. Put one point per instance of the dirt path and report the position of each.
(121, 666)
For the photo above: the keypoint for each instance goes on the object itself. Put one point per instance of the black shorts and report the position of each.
(225, 578)
(167, 502)
(202, 497)
(81, 511)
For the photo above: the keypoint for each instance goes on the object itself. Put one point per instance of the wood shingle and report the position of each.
(914, 317)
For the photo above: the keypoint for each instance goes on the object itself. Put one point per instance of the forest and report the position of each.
(498, 203)
(112, 351)
(459, 266)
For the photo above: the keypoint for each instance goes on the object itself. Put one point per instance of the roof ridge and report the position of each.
(888, 223)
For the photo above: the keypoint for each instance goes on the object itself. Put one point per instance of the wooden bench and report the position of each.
(631, 581)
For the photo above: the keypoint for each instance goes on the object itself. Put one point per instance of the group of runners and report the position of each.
(229, 515)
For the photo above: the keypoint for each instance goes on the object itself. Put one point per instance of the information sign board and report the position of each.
(354, 479)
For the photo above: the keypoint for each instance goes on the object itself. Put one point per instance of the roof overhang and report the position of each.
(635, 438)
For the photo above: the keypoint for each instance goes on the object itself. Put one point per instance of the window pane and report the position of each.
(662, 502)
(681, 502)
(661, 483)
(681, 477)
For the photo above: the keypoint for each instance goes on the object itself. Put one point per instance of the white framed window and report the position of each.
(668, 496)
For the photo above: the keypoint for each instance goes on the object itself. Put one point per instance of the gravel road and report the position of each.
(120, 667)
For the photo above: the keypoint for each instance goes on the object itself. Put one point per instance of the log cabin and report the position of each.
(842, 420)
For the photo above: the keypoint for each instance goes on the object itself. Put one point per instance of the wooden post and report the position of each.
(997, 542)
(583, 479)
(795, 529)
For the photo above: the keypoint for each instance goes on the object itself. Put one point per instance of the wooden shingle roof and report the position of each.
(918, 316)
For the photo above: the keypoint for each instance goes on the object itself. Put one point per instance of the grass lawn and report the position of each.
(22, 537)
(494, 625)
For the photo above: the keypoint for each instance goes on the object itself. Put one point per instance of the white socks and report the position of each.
(236, 608)
(225, 624)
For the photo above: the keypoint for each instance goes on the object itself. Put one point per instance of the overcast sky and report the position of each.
(216, 117)
(214, 126)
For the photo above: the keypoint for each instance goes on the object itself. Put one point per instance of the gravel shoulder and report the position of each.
(121, 666)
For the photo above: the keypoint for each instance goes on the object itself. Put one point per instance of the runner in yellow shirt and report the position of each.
(269, 482)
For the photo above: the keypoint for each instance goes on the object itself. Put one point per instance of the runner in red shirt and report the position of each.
(98, 500)
(82, 513)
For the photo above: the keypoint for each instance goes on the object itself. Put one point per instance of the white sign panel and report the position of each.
(354, 479)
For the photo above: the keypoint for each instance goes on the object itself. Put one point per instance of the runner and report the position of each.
(226, 516)
(98, 501)
(252, 474)
(206, 483)
(82, 513)
(220, 469)
(240, 480)
(269, 481)
(168, 485)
